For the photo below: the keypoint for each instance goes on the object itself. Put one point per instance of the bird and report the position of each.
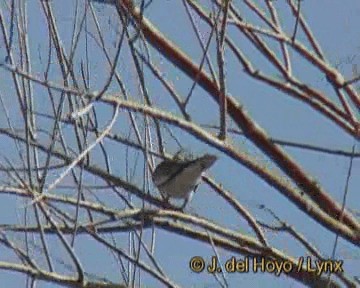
(179, 179)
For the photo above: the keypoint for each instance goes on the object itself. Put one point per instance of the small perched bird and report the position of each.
(180, 178)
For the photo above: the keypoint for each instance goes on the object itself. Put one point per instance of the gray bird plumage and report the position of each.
(179, 178)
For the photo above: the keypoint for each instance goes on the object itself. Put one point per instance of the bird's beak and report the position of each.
(207, 161)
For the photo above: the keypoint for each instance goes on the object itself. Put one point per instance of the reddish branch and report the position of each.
(250, 129)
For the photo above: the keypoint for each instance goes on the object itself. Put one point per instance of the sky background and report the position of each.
(334, 24)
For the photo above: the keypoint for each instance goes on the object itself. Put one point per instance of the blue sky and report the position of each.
(334, 25)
